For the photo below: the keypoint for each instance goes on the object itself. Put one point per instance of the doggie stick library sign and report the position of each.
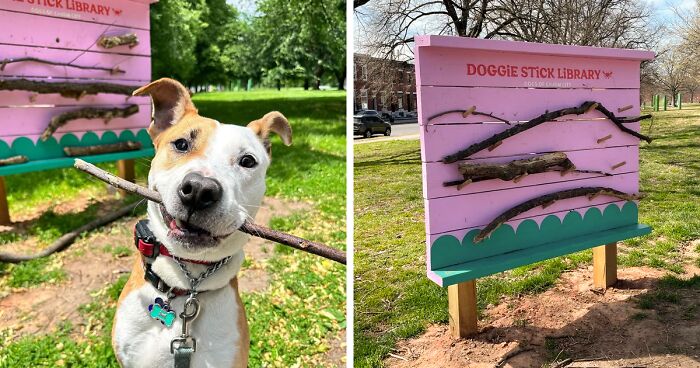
(529, 152)
(67, 70)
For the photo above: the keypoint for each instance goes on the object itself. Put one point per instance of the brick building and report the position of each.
(384, 85)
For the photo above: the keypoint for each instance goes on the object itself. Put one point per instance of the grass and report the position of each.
(395, 300)
(291, 321)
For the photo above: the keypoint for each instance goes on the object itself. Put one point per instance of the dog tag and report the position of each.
(160, 311)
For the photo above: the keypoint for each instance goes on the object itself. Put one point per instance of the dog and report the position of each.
(211, 177)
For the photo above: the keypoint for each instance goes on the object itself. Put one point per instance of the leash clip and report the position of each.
(189, 314)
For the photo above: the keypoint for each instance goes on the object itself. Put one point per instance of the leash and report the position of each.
(185, 345)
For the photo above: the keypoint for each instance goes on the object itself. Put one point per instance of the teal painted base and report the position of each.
(49, 154)
(58, 163)
(453, 260)
(487, 266)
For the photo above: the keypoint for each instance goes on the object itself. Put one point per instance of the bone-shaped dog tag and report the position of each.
(160, 311)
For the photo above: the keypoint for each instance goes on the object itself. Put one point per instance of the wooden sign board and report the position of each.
(54, 41)
(517, 82)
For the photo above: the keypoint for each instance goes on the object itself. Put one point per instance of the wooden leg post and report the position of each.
(126, 172)
(462, 301)
(605, 265)
(4, 209)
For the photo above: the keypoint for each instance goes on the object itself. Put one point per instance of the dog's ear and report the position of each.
(272, 122)
(171, 101)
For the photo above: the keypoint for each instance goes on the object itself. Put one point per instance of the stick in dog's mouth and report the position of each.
(293, 241)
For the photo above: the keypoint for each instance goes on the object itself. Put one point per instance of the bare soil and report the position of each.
(572, 325)
(90, 266)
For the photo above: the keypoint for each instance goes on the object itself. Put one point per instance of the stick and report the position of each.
(518, 169)
(3, 63)
(13, 160)
(66, 89)
(67, 239)
(87, 113)
(296, 242)
(547, 116)
(102, 148)
(546, 199)
(108, 42)
(465, 113)
(511, 354)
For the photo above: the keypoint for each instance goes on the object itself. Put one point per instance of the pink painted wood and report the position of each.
(66, 34)
(30, 99)
(118, 12)
(472, 62)
(136, 68)
(518, 104)
(474, 210)
(440, 140)
(34, 120)
(437, 173)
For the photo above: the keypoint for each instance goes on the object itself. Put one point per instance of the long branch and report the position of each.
(66, 89)
(547, 116)
(4, 62)
(19, 159)
(98, 149)
(465, 113)
(67, 239)
(293, 241)
(547, 200)
(106, 114)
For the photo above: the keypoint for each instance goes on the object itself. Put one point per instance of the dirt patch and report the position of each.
(335, 356)
(571, 321)
(92, 263)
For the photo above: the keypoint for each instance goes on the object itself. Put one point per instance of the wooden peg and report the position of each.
(619, 164)
(4, 208)
(468, 111)
(495, 145)
(624, 108)
(601, 140)
(464, 184)
(520, 177)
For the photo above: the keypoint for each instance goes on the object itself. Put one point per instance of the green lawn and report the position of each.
(290, 322)
(395, 300)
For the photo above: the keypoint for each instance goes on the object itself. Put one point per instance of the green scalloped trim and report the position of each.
(447, 250)
(49, 155)
(51, 149)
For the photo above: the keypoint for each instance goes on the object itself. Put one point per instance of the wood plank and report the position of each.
(117, 12)
(522, 104)
(462, 309)
(134, 67)
(478, 209)
(468, 67)
(437, 173)
(605, 265)
(66, 34)
(438, 141)
(35, 119)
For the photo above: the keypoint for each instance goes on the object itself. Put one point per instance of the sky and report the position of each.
(663, 12)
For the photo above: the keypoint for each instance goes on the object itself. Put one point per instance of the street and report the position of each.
(398, 131)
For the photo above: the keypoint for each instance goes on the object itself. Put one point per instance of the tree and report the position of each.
(176, 26)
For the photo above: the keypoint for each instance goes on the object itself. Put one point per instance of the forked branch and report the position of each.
(547, 200)
(467, 112)
(587, 106)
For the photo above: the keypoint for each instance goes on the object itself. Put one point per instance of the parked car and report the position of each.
(368, 122)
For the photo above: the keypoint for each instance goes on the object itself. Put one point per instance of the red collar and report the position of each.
(148, 249)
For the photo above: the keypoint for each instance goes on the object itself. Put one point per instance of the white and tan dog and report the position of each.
(212, 178)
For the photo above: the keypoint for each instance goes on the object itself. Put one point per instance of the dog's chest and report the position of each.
(142, 341)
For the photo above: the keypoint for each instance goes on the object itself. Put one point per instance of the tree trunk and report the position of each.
(340, 77)
(279, 84)
(306, 84)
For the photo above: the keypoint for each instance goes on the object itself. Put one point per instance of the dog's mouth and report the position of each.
(189, 233)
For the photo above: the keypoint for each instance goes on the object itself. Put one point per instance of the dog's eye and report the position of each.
(247, 161)
(181, 145)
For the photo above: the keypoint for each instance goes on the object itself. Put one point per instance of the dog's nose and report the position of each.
(198, 192)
